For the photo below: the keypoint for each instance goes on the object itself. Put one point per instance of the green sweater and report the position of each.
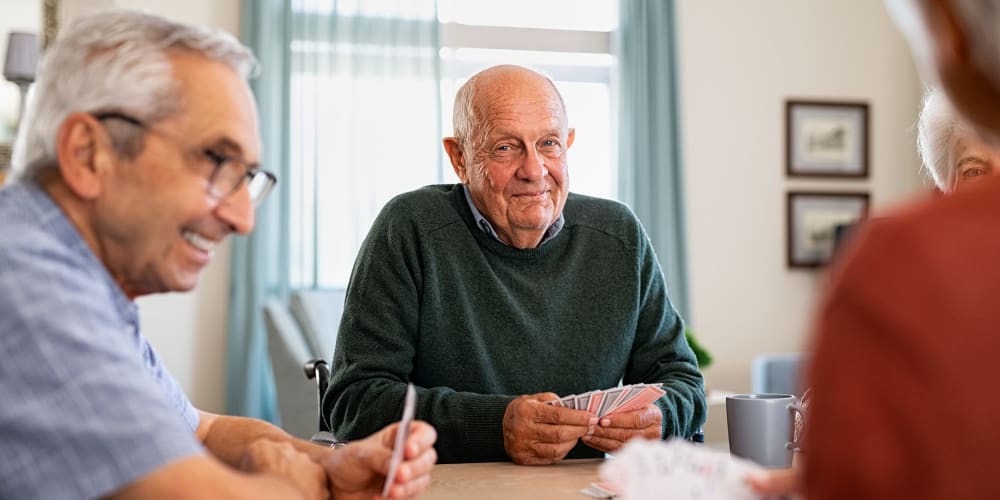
(474, 323)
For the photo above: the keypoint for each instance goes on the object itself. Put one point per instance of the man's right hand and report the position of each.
(535, 433)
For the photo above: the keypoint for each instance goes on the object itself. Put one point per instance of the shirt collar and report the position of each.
(487, 228)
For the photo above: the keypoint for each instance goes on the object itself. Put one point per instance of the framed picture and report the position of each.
(826, 139)
(818, 222)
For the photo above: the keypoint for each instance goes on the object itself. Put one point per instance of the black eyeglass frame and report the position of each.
(251, 173)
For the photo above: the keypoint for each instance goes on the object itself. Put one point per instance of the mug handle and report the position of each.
(796, 445)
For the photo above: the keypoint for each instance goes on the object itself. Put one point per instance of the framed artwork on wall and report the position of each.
(826, 139)
(818, 221)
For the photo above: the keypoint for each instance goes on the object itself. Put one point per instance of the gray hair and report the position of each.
(471, 129)
(114, 61)
(937, 133)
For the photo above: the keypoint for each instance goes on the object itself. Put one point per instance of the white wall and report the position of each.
(739, 61)
(15, 15)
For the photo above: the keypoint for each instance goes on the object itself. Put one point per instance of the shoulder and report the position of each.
(611, 218)
(424, 209)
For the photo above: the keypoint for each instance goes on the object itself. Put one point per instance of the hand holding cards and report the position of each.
(612, 401)
(409, 404)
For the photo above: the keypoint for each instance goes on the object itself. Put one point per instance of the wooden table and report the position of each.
(506, 481)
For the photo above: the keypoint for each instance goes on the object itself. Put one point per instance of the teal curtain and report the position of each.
(329, 129)
(649, 156)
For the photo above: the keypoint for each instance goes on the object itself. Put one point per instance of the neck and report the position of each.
(79, 213)
(522, 239)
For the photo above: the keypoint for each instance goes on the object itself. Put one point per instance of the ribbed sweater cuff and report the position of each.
(482, 427)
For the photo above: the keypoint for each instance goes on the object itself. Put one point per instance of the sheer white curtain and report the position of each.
(363, 124)
(348, 97)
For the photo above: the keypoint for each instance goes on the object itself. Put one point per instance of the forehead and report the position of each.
(217, 104)
(521, 105)
(967, 143)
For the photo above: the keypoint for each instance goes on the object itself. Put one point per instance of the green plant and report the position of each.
(704, 358)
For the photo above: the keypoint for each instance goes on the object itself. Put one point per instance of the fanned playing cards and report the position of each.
(611, 401)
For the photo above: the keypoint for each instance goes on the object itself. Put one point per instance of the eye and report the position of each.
(217, 159)
(974, 172)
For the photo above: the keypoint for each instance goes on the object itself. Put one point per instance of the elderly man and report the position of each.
(141, 157)
(903, 373)
(498, 293)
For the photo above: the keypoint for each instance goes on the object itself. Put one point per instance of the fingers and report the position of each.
(537, 433)
(642, 418)
(422, 437)
(410, 489)
(532, 408)
(773, 482)
(614, 430)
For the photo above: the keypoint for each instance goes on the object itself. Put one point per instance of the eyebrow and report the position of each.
(970, 159)
(231, 148)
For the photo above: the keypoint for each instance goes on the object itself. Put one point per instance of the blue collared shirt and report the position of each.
(487, 228)
(86, 407)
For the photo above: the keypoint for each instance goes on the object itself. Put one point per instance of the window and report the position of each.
(350, 167)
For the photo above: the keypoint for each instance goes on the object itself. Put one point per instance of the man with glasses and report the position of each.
(139, 157)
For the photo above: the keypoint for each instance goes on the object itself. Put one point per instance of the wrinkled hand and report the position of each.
(358, 470)
(779, 482)
(614, 430)
(264, 456)
(535, 433)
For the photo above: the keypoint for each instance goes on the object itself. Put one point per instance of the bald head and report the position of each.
(484, 96)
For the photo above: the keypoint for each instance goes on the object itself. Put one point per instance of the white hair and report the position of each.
(113, 61)
(938, 131)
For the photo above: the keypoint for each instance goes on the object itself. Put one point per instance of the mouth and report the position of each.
(533, 194)
(201, 242)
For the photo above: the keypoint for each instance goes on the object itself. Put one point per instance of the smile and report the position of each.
(200, 242)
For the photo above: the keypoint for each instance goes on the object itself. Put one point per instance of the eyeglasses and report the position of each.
(228, 172)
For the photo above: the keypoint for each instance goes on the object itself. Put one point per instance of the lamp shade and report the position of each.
(22, 58)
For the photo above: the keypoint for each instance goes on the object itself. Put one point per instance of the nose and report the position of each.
(237, 211)
(533, 167)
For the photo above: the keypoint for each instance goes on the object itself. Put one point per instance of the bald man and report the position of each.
(496, 294)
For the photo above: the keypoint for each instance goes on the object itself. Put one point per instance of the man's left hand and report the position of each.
(612, 431)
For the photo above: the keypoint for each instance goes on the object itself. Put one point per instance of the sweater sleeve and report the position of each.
(660, 352)
(376, 348)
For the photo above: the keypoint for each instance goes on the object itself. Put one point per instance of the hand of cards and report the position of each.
(676, 469)
(611, 401)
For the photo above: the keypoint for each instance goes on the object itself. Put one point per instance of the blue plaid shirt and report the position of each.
(85, 405)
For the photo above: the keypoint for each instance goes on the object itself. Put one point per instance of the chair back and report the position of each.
(777, 373)
(297, 406)
(318, 313)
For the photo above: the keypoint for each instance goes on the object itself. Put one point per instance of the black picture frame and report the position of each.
(816, 222)
(826, 139)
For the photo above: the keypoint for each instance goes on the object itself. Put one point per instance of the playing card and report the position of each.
(595, 401)
(647, 395)
(409, 404)
(608, 400)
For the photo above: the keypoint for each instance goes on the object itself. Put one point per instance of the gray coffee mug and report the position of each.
(762, 427)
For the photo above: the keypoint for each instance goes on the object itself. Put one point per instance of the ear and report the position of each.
(457, 159)
(84, 153)
(570, 138)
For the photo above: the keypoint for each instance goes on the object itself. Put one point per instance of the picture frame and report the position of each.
(817, 222)
(826, 139)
